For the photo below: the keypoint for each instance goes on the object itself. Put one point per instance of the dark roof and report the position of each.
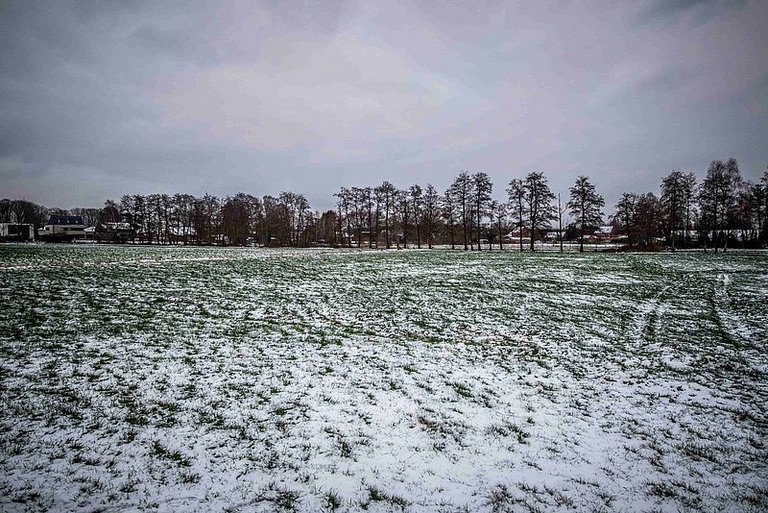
(65, 220)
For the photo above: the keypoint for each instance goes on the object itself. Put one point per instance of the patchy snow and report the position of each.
(188, 379)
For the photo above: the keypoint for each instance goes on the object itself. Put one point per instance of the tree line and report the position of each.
(285, 220)
(724, 210)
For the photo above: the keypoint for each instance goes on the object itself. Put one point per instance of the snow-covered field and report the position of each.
(219, 379)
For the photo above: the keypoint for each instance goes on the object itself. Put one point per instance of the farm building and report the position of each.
(19, 232)
(113, 232)
(514, 235)
(606, 233)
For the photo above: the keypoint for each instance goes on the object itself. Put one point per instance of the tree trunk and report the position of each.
(464, 222)
(532, 232)
(386, 224)
(479, 246)
(418, 233)
(560, 222)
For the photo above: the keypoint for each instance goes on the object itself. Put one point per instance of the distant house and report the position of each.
(682, 234)
(17, 232)
(351, 237)
(365, 237)
(514, 235)
(62, 229)
(605, 233)
(120, 232)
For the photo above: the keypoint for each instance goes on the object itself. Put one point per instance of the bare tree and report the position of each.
(417, 205)
(378, 200)
(448, 211)
(689, 201)
(676, 193)
(388, 193)
(561, 209)
(234, 220)
(497, 212)
(585, 205)
(404, 214)
(717, 198)
(461, 193)
(90, 215)
(109, 213)
(276, 223)
(5, 210)
(298, 217)
(516, 192)
(326, 227)
(625, 214)
(367, 198)
(358, 212)
(747, 217)
(344, 200)
(482, 188)
(212, 217)
(23, 212)
(538, 200)
(181, 216)
(502, 210)
(431, 213)
(763, 208)
(648, 220)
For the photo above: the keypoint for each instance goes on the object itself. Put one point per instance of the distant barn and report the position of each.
(119, 232)
(16, 232)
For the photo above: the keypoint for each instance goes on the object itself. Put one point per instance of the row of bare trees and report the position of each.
(285, 220)
(22, 212)
(464, 215)
(724, 210)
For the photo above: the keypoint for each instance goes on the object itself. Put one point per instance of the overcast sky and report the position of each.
(101, 99)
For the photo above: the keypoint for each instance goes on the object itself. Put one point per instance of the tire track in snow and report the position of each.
(650, 318)
(733, 326)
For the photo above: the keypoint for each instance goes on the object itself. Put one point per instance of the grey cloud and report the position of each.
(154, 39)
(99, 100)
(697, 11)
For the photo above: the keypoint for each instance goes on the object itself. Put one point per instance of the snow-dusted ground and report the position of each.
(257, 380)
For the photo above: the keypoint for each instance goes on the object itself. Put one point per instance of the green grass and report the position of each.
(266, 379)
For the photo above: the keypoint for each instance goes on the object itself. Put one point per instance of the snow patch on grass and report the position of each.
(189, 379)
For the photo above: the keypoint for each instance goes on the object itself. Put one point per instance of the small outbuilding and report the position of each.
(17, 232)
